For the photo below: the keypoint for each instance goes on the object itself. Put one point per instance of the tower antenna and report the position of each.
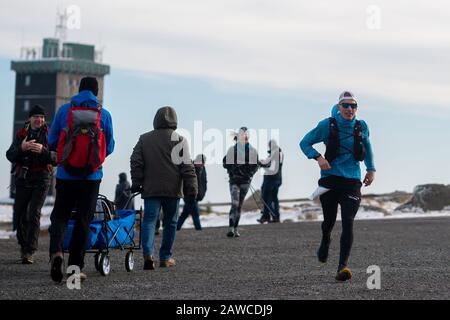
(61, 29)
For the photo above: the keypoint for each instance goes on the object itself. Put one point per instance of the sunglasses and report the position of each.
(347, 105)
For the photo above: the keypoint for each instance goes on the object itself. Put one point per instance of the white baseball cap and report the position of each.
(347, 95)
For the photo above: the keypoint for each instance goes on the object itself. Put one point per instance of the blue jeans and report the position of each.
(152, 207)
(190, 207)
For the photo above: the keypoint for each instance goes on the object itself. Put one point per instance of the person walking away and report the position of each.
(160, 168)
(191, 206)
(271, 184)
(123, 193)
(33, 171)
(347, 144)
(82, 135)
(241, 163)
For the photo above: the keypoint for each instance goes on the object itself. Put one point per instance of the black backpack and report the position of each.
(333, 146)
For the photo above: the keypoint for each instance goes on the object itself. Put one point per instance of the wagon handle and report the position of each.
(134, 195)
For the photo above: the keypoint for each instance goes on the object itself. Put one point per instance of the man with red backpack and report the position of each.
(82, 135)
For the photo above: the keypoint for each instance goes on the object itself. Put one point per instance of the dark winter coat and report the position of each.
(38, 167)
(152, 166)
(202, 182)
(123, 194)
(241, 163)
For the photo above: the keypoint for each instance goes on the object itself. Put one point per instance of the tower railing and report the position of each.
(53, 53)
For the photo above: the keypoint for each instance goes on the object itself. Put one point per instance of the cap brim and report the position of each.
(348, 101)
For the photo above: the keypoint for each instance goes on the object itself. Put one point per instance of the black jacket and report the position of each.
(202, 182)
(241, 170)
(38, 167)
(123, 194)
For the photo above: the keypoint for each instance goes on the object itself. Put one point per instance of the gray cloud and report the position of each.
(284, 44)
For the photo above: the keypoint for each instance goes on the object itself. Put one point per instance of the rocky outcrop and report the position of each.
(374, 209)
(428, 197)
(396, 196)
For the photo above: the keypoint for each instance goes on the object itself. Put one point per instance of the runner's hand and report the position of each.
(368, 179)
(323, 163)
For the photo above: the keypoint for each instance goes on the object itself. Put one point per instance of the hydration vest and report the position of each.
(82, 144)
(333, 146)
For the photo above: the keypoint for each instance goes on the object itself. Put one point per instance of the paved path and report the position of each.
(275, 261)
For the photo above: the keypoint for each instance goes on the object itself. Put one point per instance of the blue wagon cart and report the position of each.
(111, 229)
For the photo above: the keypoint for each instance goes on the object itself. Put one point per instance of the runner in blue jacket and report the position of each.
(347, 141)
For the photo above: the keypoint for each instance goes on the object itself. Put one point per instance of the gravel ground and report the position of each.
(272, 261)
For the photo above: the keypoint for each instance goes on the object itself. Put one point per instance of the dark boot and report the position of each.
(56, 267)
(27, 259)
(322, 252)
(263, 219)
(149, 263)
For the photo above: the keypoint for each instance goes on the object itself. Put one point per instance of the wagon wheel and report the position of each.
(105, 265)
(129, 261)
(97, 257)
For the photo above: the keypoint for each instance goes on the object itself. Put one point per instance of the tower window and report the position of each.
(26, 105)
(27, 81)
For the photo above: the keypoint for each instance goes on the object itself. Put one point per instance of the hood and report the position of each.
(165, 118)
(273, 144)
(85, 96)
(200, 159)
(122, 177)
(335, 111)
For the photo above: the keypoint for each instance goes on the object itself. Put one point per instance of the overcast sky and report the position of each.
(267, 65)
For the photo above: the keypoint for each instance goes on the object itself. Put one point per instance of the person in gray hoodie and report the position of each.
(161, 169)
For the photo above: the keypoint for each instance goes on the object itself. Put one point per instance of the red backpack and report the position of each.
(82, 144)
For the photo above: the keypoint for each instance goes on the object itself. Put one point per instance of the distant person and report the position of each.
(241, 162)
(271, 183)
(191, 205)
(347, 143)
(123, 193)
(160, 171)
(82, 134)
(32, 169)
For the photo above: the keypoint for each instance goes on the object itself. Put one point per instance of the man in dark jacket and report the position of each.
(271, 184)
(123, 193)
(160, 169)
(241, 163)
(32, 168)
(191, 206)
